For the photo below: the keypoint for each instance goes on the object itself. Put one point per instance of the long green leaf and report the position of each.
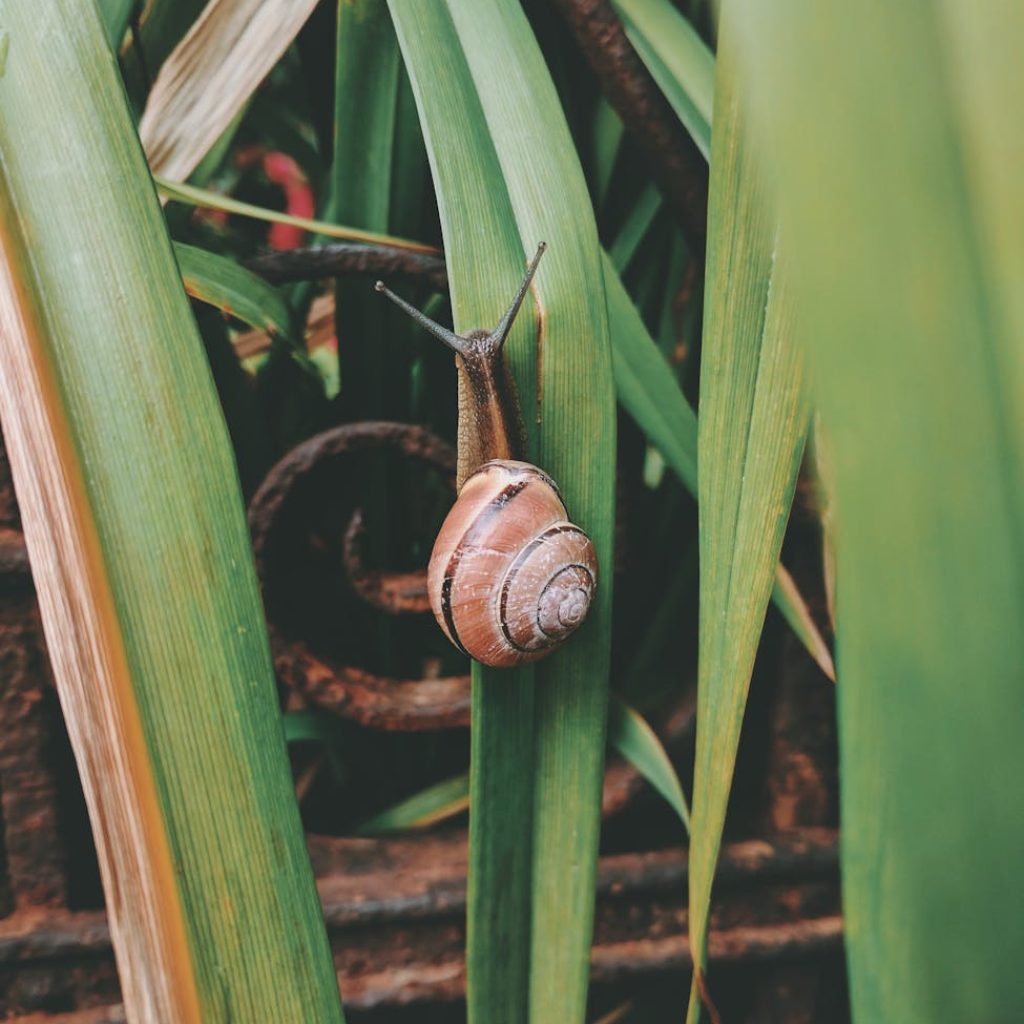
(750, 439)
(907, 268)
(648, 391)
(115, 15)
(568, 727)
(485, 263)
(365, 106)
(638, 743)
(635, 227)
(628, 733)
(181, 193)
(577, 445)
(678, 60)
(221, 282)
(141, 555)
(645, 384)
(422, 809)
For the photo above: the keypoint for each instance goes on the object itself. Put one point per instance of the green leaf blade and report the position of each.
(485, 258)
(222, 283)
(176, 726)
(906, 293)
(574, 361)
(678, 60)
(750, 440)
(638, 743)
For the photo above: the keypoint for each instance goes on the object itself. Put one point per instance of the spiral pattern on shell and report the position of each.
(510, 577)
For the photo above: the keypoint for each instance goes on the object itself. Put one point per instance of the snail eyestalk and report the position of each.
(450, 338)
(500, 333)
(460, 344)
(490, 422)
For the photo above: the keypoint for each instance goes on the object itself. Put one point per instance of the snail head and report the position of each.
(478, 341)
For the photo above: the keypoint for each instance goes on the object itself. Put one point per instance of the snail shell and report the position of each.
(510, 577)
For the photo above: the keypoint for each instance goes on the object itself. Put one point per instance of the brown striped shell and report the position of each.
(510, 577)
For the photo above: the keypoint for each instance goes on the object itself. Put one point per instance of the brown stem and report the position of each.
(676, 164)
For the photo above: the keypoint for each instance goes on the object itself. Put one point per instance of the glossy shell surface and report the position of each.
(510, 577)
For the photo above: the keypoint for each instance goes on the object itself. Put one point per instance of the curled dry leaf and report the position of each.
(210, 75)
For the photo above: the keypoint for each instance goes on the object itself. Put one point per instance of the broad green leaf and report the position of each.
(577, 446)
(181, 193)
(678, 60)
(141, 556)
(907, 277)
(485, 258)
(751, 432)
(210, 76)
(482, 132)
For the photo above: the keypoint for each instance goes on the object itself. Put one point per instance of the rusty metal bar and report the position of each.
(307, 264)
(395, 908)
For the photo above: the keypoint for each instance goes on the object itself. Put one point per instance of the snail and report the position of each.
(510, 577)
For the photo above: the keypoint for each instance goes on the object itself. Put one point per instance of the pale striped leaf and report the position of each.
(211, 74)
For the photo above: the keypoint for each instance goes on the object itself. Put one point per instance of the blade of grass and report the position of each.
(221, 282)
(607, 133)
(141, 557)
(210, 76)
(458, 142)
(750, 440)
(365, 101)
(635, 227)
(638, 743)
(907, 274)
(678, 60)
(182, 193)
(650, 394)
(645, 385)
(321, 728)
(373, 337)
(791, 604)
(485, 258)
(164, 23)
(522, 108)
(427, 807)
(628, 733)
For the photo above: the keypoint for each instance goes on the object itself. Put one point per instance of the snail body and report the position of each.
(510, 577)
